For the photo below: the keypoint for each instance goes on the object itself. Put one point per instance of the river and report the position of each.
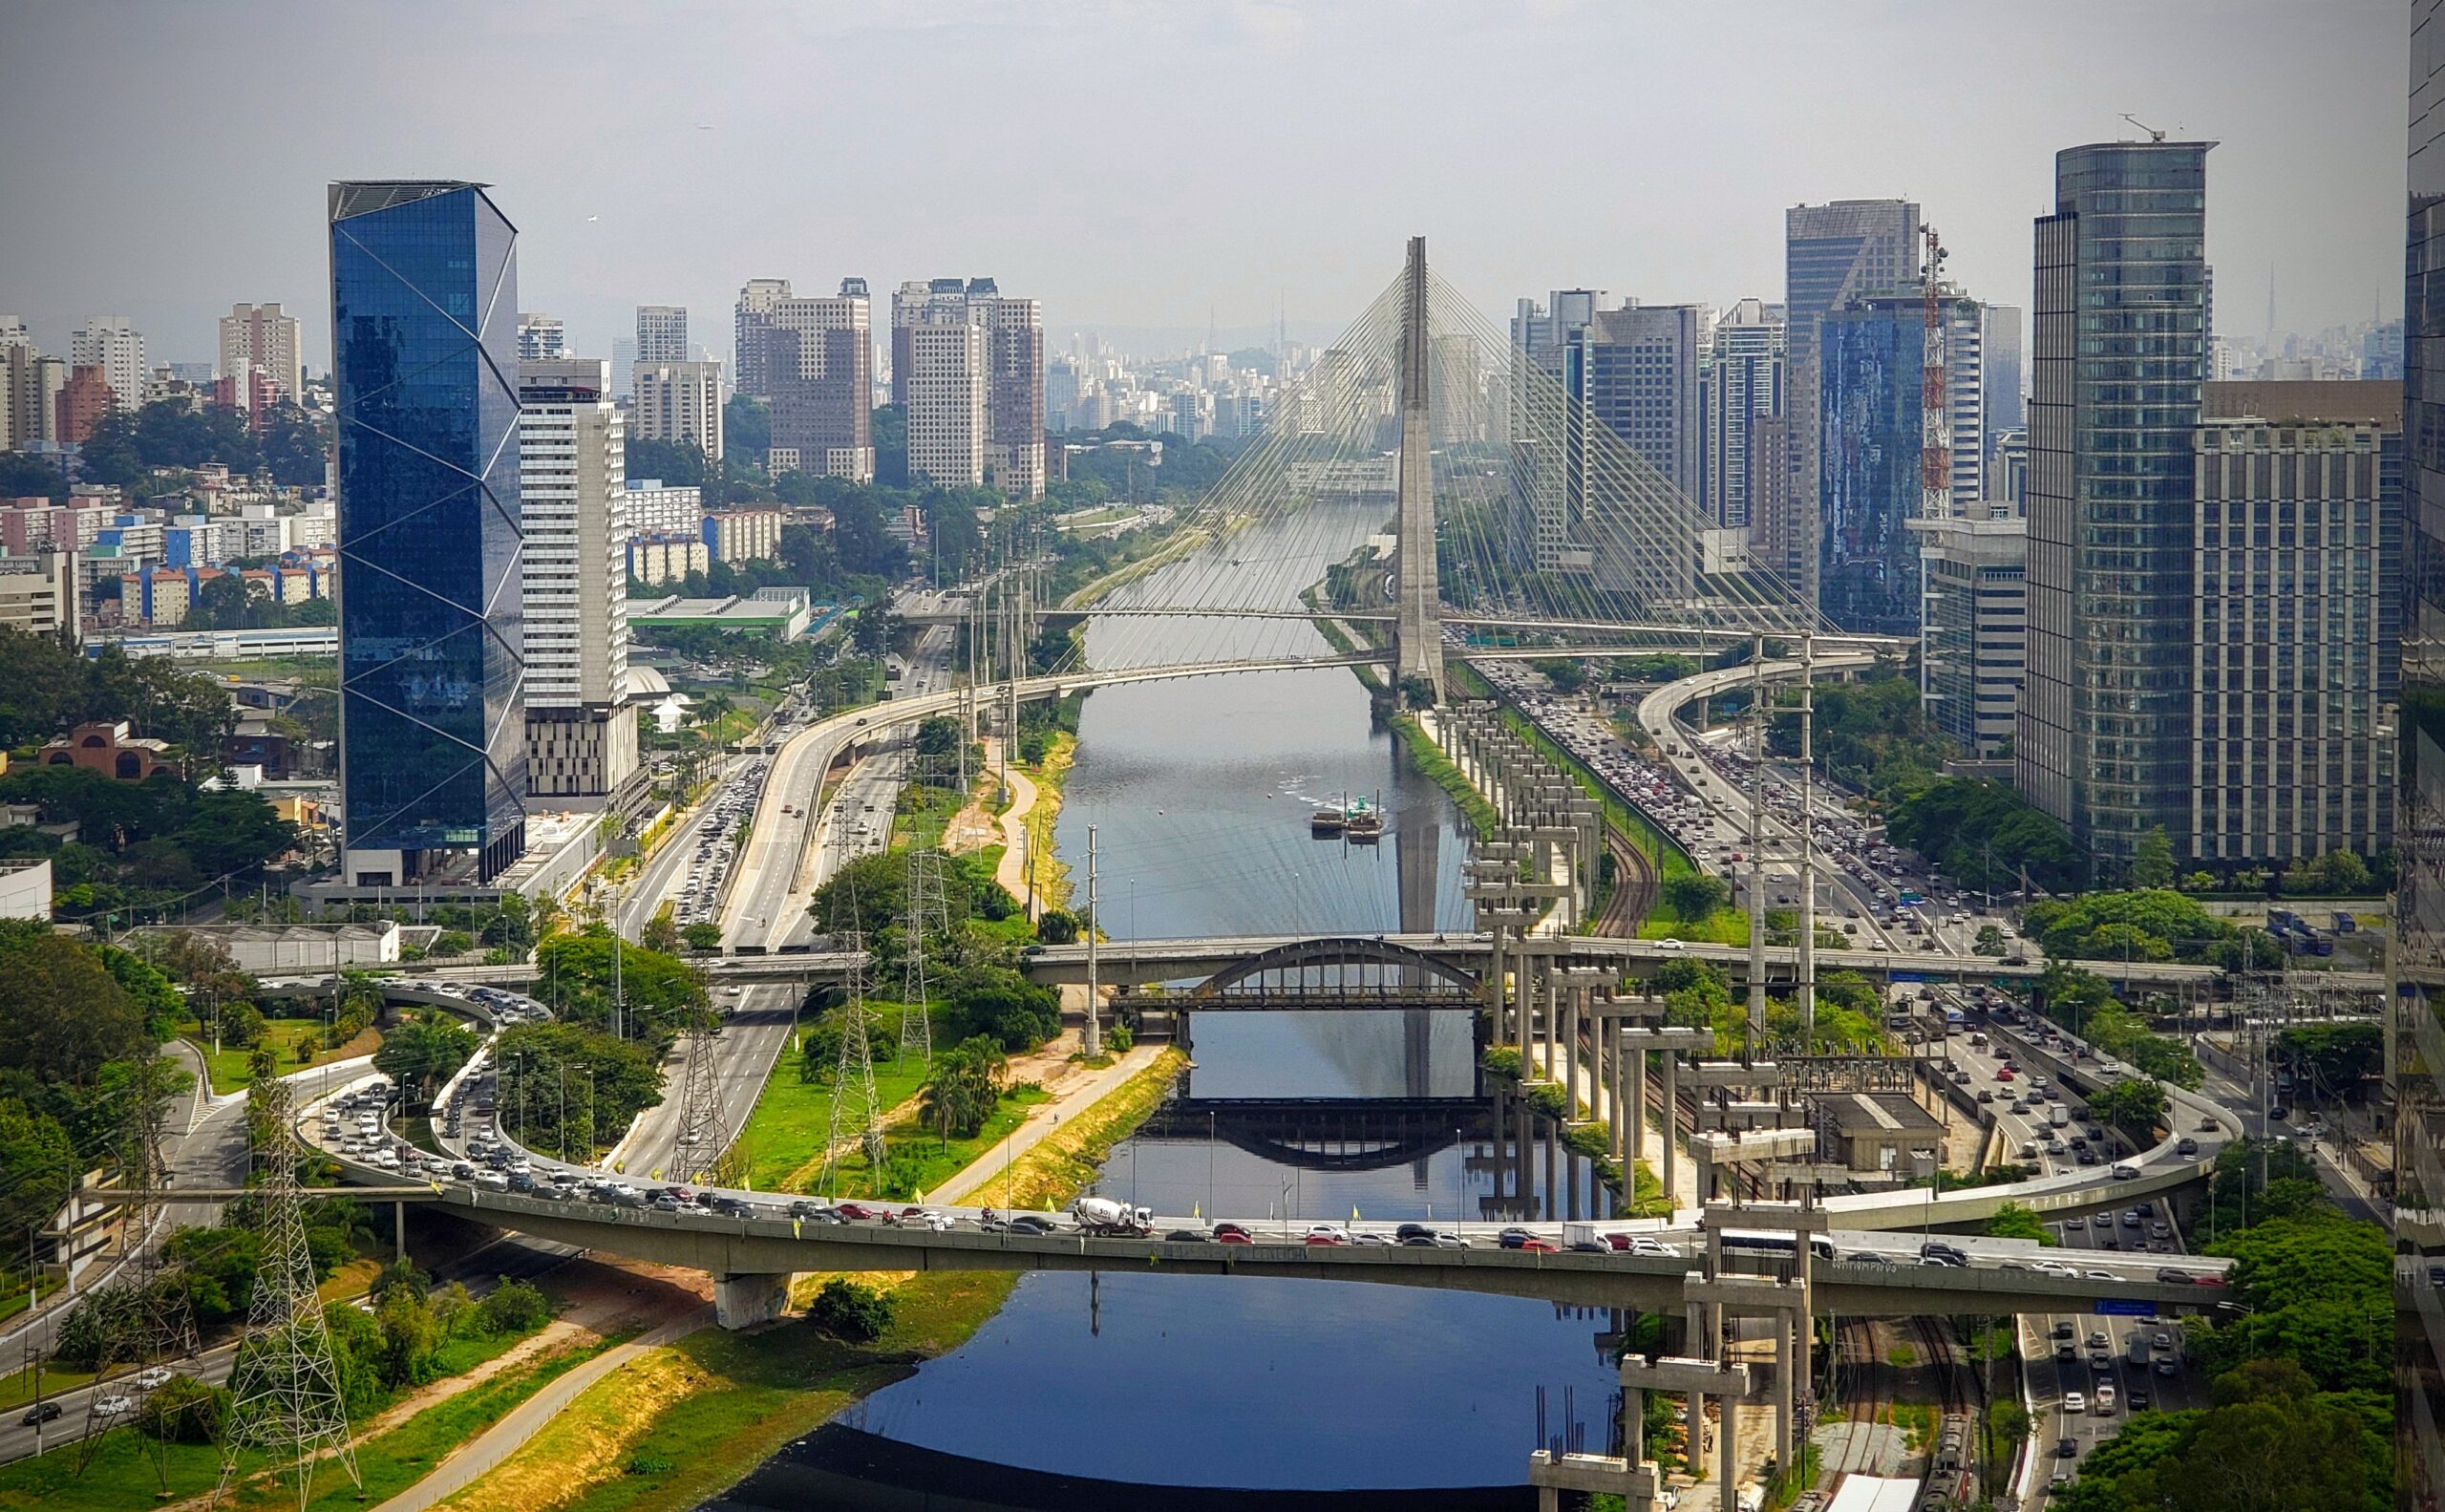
(1132, 1390)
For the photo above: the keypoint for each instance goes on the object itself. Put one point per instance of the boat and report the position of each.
(1363, 822)
(1327, 820)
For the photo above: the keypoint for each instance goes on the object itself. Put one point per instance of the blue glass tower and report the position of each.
(424, 349)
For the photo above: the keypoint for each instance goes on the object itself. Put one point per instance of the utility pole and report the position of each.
(1093, 1040)
(1757, 1042)
(855, 1110)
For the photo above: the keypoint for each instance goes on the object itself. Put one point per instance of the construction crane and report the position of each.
(2154, 135)
(1935, 409)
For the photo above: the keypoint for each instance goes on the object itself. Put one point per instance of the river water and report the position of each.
(1132, 1390)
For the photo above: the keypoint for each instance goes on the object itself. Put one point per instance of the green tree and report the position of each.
(851, 1310)
(2016, 1220)
(1002, 1005)
(938, 735)
(964, 1088)
(1695, 896)
(423, 1052)
(2152, 860)
(1990, 941)
(1057, 927)
(62, 1016)
(662, 933)
(37, 1171)
(2133, 1105)
(701, 936)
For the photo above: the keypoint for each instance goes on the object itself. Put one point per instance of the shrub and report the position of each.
(515, 1307)
(849, 1311)
(184, 1411)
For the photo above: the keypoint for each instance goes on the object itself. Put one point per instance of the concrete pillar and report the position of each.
(1671, 1125)
(1783, 1367)
(399, 1231)
(1634, 1083)
(1727, 1495)
(744, 1301)
(1609, 1041)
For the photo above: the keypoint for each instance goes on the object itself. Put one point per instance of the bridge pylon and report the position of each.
(1417, 632)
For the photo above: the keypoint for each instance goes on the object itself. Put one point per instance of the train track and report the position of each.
(1635, 889)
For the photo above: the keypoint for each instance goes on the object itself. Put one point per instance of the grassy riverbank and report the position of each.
(1440, 770)
(1051, 873)
(677, 1425)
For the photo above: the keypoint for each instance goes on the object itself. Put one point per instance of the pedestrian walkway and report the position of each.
(1012, 872)
(1041, 1122)
(1582, 1094)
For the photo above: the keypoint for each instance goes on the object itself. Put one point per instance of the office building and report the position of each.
(1831, 253)
(432, 730)
(581, 732)
(2007, 470)
(1974, 637)
(662, 333)
(541, 337)
(2002, 406)
(2415, 1026)
(1743, 385)
(812, 359)
(259, 341)
(1636, 370)
(1871, 437)
(113, 344)
(1540, 332)
(993, 393)
(679, 402)
(2119, 329)
(2298, 621)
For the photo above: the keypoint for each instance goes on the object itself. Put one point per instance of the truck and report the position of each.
(1102, 1218)
(2058, 1114)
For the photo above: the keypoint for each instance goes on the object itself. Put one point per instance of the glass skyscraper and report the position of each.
(2415, 1049)
(2120, 352)
(424, 348)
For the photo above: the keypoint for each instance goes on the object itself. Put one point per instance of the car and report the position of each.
(45, 1413)
(1938, 1249)
(2003, 1073)
(2063, 1329)
(1514, 1237)
(2075, 1402)
(1189, 1236)
(112, 1405)
(1232, 1236)
(1538, 1244)
(665, 1202)
(2056, 1269)
(1986, 1094)
(2186, 1145)
(2075, 1221)
(2138, 1400)
(1037, 1224)
(2065, 1449)
(2100, 1275)
(1869, 1257)
(1668, 943)
(860, 1212)
(2097, 1339)
(2126, 1172)
(2168, 1366)
(2065, 1351)
(732, 1207)
(2105, 1400)
(2207, 1126)
(153, 1378)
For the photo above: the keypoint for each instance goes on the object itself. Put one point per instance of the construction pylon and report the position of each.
(925, 918)
(285, 1396)
(857, 1113)
(704, 1132)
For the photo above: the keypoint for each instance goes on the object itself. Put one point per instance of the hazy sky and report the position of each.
(1149, 166)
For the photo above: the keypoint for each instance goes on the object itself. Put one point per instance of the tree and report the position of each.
(1990, 941)
(702, 936)
(1000, 1004)
(964, 1089)
(851, 1310)
(1696, 895)
(2340, 871)
(2016, 1221)
(2133, 1105)
(662, 933)
(2152, 860)
(424, 1052)
(1057, 927)
(62, 1016)
(938, 735)
(37, 1171)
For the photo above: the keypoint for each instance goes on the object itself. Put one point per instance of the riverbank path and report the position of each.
(1042, 1121)
(1012, 872)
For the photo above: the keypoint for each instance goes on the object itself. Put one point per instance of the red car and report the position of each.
(1232, 1236)
(1538, 1244)
(1326, 1239)
(2004, 1074)
(1227, 1226)
(857, 1210)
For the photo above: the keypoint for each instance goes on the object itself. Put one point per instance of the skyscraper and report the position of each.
(1007, 375)
(2004, 407)
(2119, 353)
(580, 731)
(113, 344)
(662, 333)
(258, 339)
(1638, 373)
(1831, 252)
(1744, 384)
(433, 731)
(2414, 1065)
(1871, 412)
(813, 360)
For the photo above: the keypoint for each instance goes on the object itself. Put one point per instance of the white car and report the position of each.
(112, 1406)
(1670, 944)
(2075, 1402)
(154, 1378)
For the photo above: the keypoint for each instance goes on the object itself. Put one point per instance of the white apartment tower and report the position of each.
(946, 404)
(581, 730)
(539, 337)
(680, 402)
(259, 339)
(113, 344)
(1008, 375)
(662, 333)
(1744, 385)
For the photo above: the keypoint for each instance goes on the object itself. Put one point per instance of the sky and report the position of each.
(1154, 170)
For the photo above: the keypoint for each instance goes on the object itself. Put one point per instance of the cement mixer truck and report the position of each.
(1102, 1218)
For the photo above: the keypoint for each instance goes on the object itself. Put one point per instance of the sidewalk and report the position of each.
(1042, 1121)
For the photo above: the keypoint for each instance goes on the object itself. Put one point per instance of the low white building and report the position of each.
(25, 888)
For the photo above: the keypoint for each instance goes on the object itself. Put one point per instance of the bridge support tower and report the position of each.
(1417, 636)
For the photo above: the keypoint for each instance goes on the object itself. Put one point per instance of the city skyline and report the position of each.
(1136, 238)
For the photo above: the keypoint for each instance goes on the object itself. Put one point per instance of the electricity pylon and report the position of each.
(704, 1132)
(927, 917)
(857, 1114)
(143, 1316)
(285, 1390)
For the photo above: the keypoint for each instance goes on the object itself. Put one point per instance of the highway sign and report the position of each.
(1909, 976)
(2116, 1306)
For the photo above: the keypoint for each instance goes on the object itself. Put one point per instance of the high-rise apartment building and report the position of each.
(813, 360)
(259, 340)
(1637, 371)
(1831, 253)
(2415, 1008)
(998, 394)
(680, 402)
(432, 730)
(541, 337)
(113, 344)
(1744, 384)
(580, 731)
(30, 387)
(2120, 350)
(2295, 653)
(662, 333)
(1871, 431)
(81, 406)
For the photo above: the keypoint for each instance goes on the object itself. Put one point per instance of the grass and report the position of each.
(1726, 925)
(16, 1301)
(918, 1161)
(676, 1426)
(228, 1067)
(18, 1388)
(1442, 771)
(924, 813)
(784, 1137)
(1064, 1162)
(1051, 873)
(122, 1474)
